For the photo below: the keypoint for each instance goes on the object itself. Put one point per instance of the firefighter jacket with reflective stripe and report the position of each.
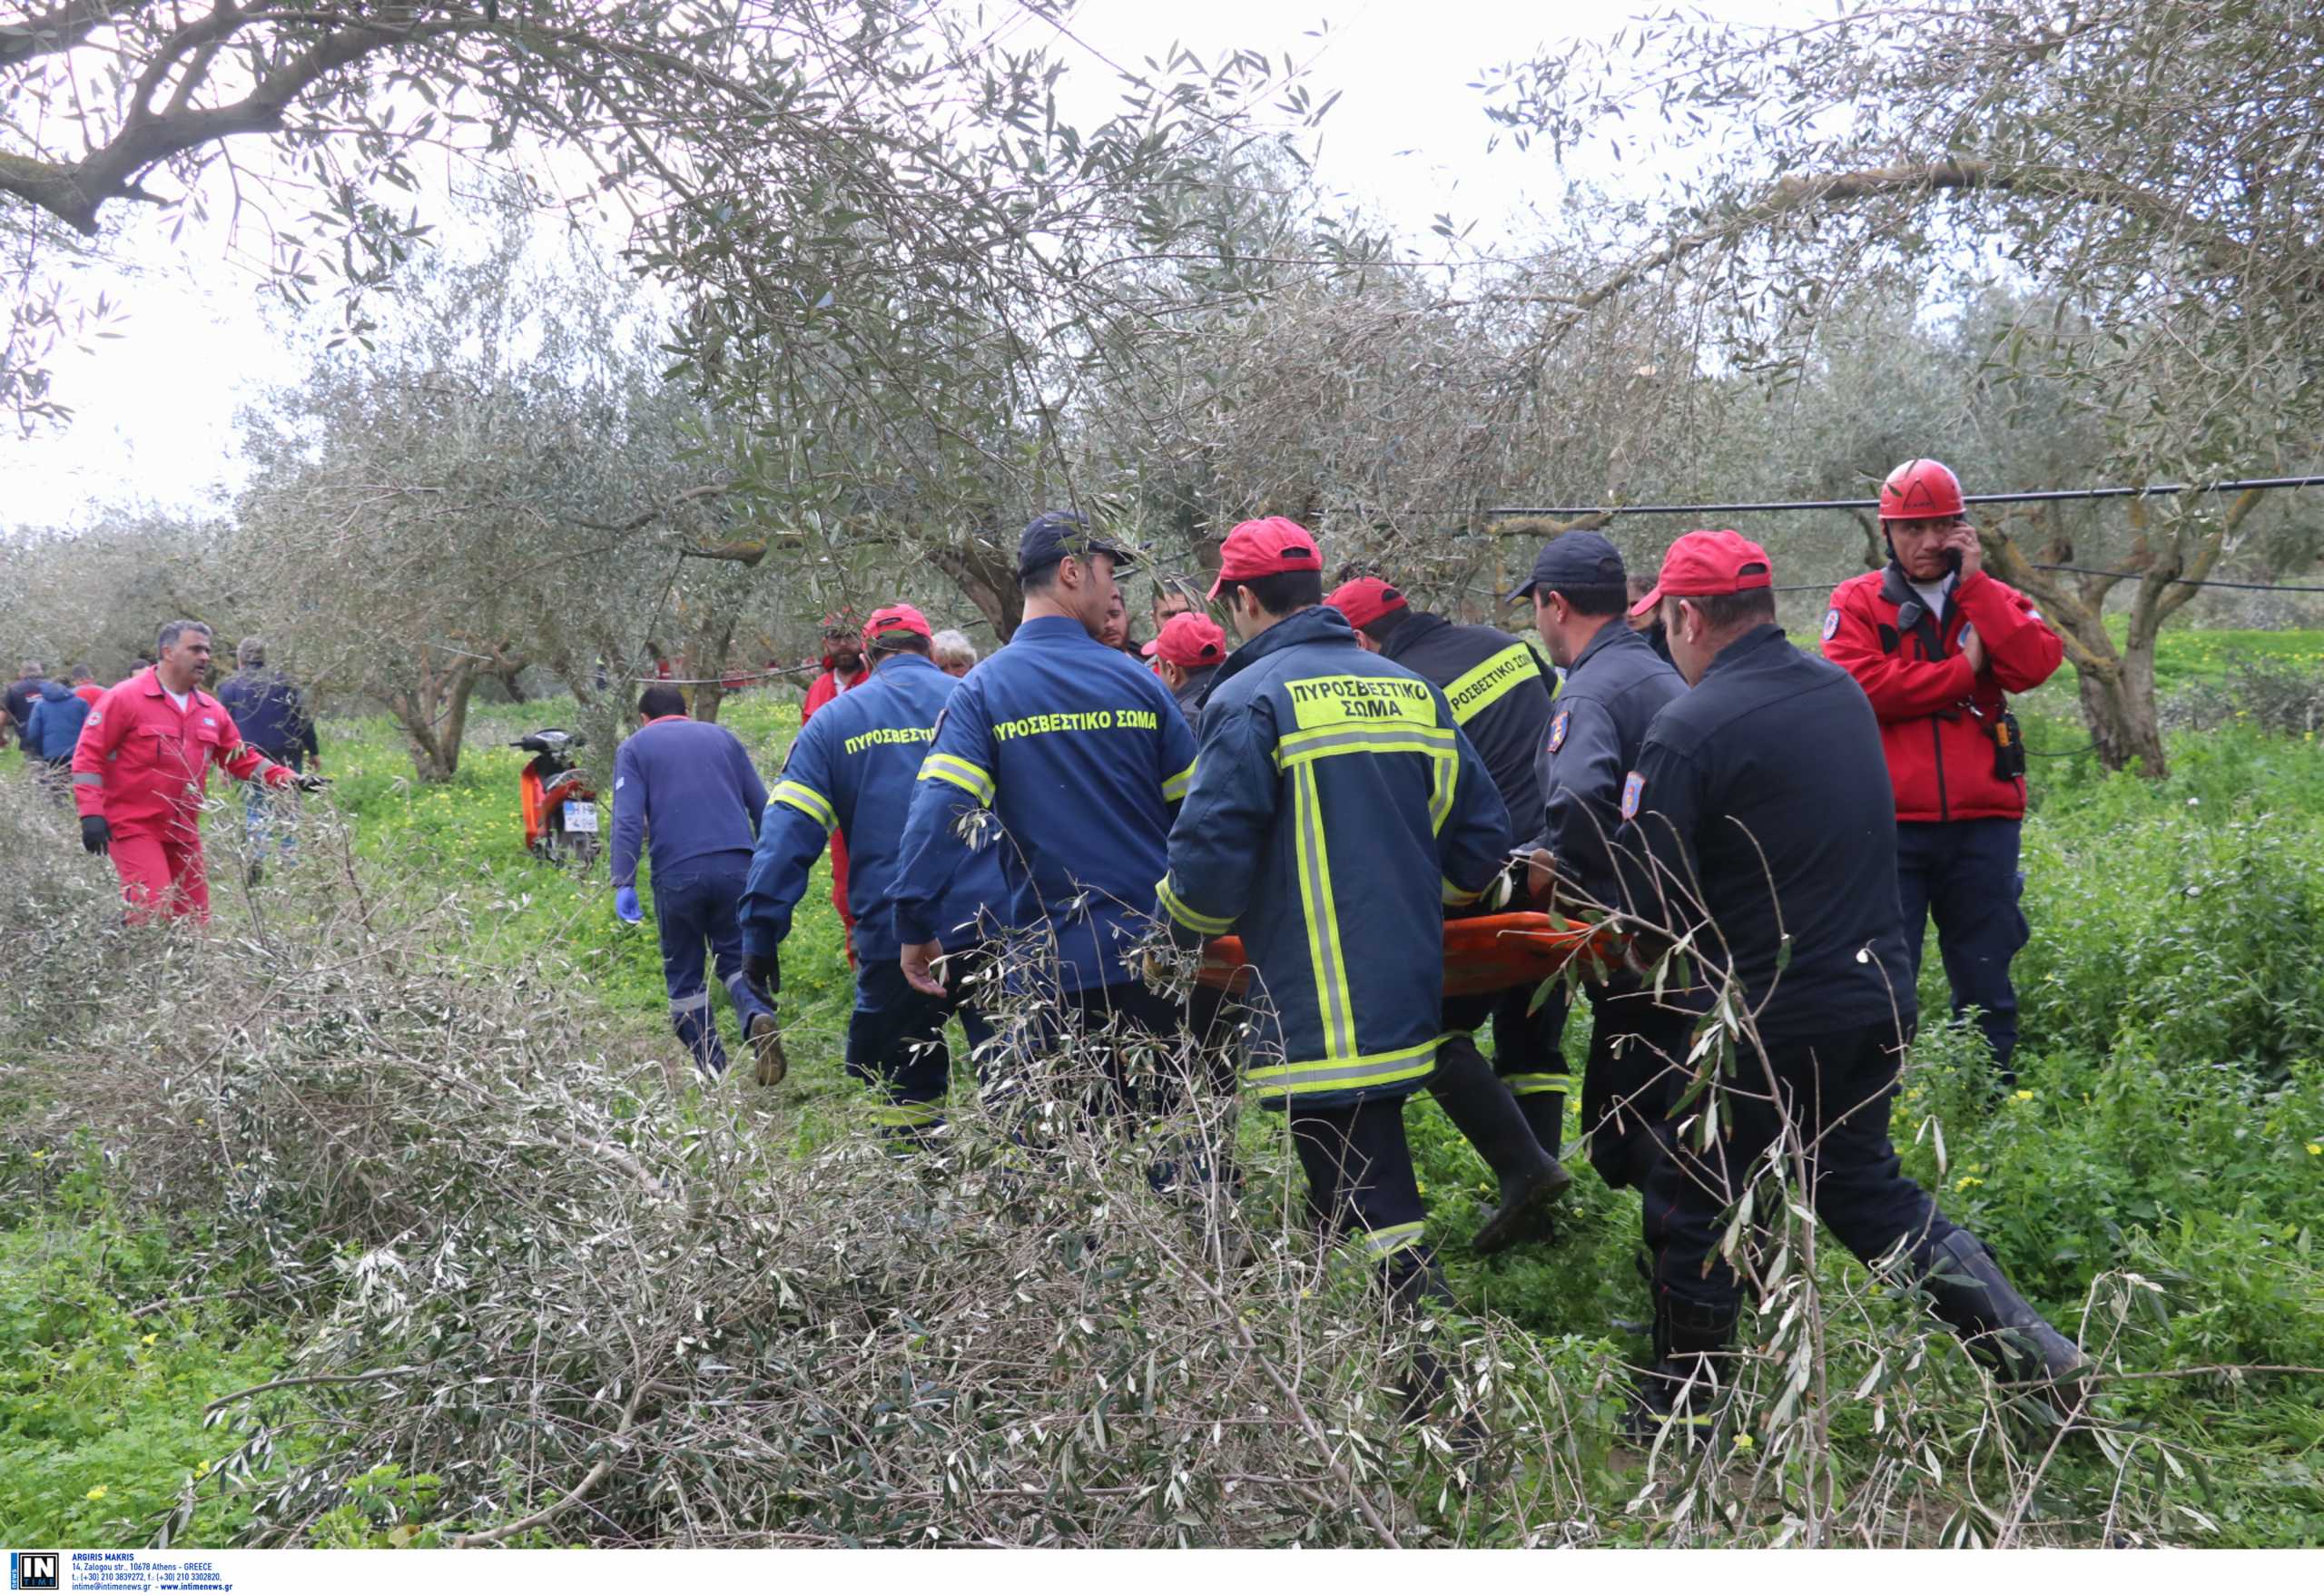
(1937, 717)
(1760, 798)
(1612, 692)
(1082, 756)
(852, 770)
(1500, 691)
(1336, 811)
(683, 789)
(143, 764)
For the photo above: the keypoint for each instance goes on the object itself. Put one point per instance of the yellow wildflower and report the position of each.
(1966, 1181)
(149, 1340)
(2026, 1096)
(97, 1494)
(1744, 1443)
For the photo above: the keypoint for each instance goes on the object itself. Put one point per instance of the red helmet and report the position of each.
(1921, 489)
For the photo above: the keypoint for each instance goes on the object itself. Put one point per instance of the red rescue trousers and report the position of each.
(161, 873)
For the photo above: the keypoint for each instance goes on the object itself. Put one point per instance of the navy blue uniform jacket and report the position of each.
(1082, 756)
(852, 769)
(1612, 694)
(1764, 790)
(1336, 812)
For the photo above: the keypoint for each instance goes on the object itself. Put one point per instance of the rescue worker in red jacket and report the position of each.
(1936, 641)
(143, 765)
(844, 669)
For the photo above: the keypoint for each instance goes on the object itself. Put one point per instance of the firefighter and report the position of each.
(1615, 685)
(850, 774)
(142, 766)
(1760, 825)
(1511, 1110)
(843, 671)
(1082, 757)
(1936, 640)
(1186, 654)
(687, 792)
(1336, 809)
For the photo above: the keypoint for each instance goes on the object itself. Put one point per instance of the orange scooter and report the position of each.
(560, 809)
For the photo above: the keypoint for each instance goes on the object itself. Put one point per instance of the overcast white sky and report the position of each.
(1407, 141)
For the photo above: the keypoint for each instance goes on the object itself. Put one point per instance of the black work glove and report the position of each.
(308, 781)
(96, 836)
(764, 971)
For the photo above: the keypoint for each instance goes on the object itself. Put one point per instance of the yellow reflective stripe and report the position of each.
(907, 1115)
(1440, 798)
(1454, 898)
(1435, 742)
(1379, 1245)
(1536, 1085)
(1177, 910)
(1347, 1073)
(1333, 1000)
(1483, 687)
(976, 782)
(807, 801)
(1175, 787)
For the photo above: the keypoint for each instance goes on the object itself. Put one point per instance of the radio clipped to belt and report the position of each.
(2009, 747)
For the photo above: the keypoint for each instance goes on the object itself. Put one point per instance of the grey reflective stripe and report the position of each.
(87, 779)
(1300, 1077)
(682, 1006)
(1322, 934)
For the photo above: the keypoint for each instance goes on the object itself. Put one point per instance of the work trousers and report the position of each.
(895, 1044)
(1638, 1056)
(1836, 1089)
(266, 824)
(1964, 873)
(1528, 1051)
(161, 872)
(1362, 1190)
(693, 910)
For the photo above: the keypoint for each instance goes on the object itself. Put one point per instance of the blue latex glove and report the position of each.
(625, 906)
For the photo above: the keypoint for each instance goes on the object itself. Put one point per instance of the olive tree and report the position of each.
(2146, 164)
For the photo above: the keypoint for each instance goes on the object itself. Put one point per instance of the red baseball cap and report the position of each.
(1364, 599)
(895, 618)
(1266, 547)
(1707, 564)
(1188, 641)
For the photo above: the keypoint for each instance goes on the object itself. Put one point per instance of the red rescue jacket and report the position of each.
(1936, 717)
(142, 764)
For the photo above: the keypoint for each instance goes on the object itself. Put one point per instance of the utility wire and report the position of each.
(2051, 496)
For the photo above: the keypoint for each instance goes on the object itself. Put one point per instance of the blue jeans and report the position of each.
(1964, 872)
(262, 826)
(693, 908)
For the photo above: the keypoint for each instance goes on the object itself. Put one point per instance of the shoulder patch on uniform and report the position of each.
(96, 716)
(1558, 729)
(1633, 789)
(1831, 622)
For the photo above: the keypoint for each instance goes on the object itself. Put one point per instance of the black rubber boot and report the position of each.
(2000, 1327)
(1415, 1283)
(1481, 1108)
(1687, 1393)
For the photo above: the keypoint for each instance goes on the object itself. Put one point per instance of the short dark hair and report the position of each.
(900, 641)
(658, 701)
(1386, 624)
(82, 673)
(1285, 591)
(176, 629)
(1039, 581)
(1723, 611)
(1595, 600)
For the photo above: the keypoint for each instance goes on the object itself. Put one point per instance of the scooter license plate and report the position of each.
(581, 817)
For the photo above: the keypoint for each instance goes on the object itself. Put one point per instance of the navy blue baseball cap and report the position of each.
(1573, 559)
(1059, 533)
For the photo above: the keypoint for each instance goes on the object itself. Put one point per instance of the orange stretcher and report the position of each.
(1489, 954)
